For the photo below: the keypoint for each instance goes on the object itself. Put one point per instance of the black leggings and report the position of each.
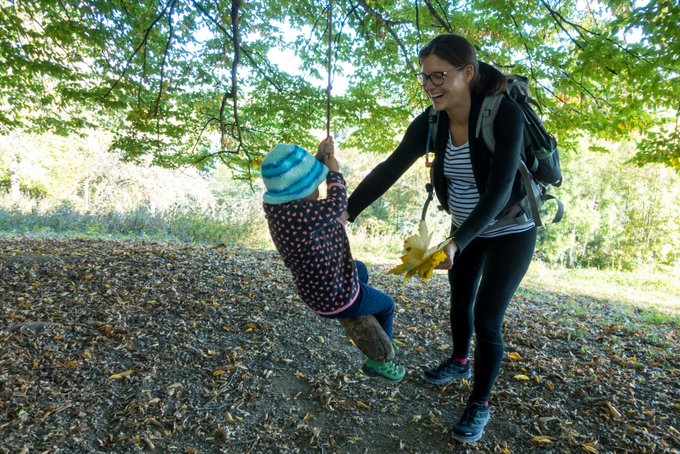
(483, 280)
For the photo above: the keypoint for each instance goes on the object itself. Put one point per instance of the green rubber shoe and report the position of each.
(387, 371)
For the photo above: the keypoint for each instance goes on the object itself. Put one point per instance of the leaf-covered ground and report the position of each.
(110, 346)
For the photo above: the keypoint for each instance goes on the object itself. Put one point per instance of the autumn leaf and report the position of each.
(613, 412)
(514, 356)
(120, 375)
(588, 447)
(674, 432)
(542, 440)
(250, 327)
(521, 377)
(417, 258)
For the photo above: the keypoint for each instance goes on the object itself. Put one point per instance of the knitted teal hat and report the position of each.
(290, 172)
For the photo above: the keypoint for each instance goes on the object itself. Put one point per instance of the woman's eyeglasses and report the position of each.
(437, 77)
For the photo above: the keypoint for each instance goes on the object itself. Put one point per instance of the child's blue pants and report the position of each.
(370, 301)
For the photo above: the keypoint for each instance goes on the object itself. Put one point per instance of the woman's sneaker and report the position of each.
(470, 426)
(388, 371)
(447, 370)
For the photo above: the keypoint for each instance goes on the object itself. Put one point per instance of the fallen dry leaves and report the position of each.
(112, 346)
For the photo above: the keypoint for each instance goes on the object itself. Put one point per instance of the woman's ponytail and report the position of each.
(490, 80)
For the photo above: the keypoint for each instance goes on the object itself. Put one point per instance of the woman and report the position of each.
(476, 186)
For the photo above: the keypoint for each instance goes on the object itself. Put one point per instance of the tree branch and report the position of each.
(198, 138)
(162, 75)
(39, 24)
(389, 26)
(124, 7)
(219, 154)
(558, 19)
(223, 106)
(245, 51)
(61, 4)
(235, 6)
(444, 23)
(171, 32)
(142, 43)
(532, 69)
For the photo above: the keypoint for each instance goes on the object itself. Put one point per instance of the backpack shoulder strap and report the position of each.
(487, 114)
(432, 123)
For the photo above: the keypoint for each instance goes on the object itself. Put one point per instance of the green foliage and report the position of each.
(617, 216)
(185, 83)
(36, 191)
(659, 148)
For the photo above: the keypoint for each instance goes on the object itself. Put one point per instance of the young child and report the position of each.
(310, 236)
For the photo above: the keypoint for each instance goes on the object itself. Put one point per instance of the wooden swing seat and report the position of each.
(369, 336)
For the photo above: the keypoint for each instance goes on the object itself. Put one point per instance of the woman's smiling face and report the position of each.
(455, 86)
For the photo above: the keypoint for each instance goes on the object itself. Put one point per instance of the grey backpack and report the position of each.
(540, 163)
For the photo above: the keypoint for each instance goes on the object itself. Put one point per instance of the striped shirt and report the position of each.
(463, 195)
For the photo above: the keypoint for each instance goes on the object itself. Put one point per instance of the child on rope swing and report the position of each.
(310, 236)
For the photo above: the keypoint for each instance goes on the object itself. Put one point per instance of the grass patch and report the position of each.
(384, 250)
(139, 224)
(652, 295)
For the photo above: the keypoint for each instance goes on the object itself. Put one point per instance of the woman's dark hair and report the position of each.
(460, 52)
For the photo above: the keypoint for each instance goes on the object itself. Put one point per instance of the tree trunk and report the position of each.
(86, 195)
(15, 159)
(570, 255)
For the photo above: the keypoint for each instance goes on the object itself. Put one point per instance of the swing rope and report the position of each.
(418, 25)
(330, 68)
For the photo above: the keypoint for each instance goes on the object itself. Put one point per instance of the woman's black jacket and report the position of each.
(496, 173)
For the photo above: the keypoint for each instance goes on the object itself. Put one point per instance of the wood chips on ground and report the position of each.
(119, 346)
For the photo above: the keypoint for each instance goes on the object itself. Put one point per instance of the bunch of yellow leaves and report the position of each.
(417, 258)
